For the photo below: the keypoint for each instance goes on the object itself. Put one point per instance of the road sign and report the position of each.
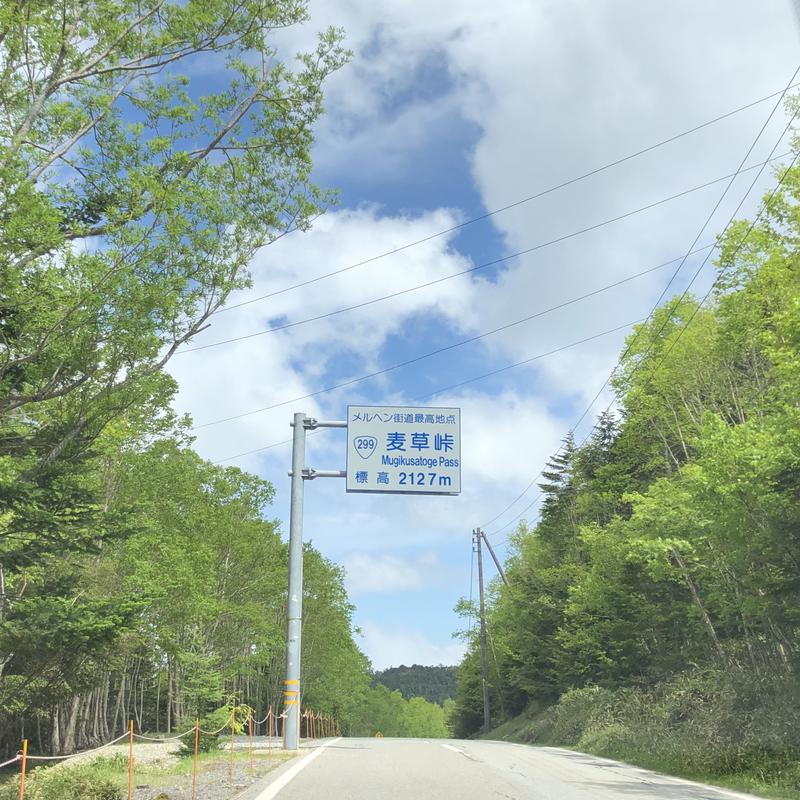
(403, 450)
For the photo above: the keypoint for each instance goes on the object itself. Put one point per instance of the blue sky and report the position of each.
(450, 109)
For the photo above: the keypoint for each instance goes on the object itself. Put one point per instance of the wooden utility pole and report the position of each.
(478, 534)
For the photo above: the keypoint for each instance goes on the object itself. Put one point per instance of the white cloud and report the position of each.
(553, 89)
(558, 88)
(265, 370)
(392, 648)
(368, 573)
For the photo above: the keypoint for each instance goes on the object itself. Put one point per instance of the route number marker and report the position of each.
(403, 450)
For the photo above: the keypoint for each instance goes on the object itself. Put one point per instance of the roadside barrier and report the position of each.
(317, 725)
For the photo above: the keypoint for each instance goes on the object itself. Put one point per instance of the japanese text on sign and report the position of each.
(404, 450)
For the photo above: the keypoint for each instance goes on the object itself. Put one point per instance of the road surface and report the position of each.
(437, 769)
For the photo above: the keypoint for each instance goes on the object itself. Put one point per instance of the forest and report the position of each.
(652, 611)
(435, 684)
(139, 581)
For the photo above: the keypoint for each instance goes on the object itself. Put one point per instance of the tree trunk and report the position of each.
(104, 715)
(712, 633)
(55, 735)
(158, 701)
(72, 722)
(169, 697)
(118, 702)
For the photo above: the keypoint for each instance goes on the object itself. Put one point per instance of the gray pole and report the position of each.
(494, 557)
(292, 694)
(484, 661)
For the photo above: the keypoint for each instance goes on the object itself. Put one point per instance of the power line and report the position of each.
(494, 372)
(683, 329)
(461, 383)
(637, 366)
(485, 265)
(617, 395)
(543, 355)
(508, 367)
(257, 450)
(515, 204)
(656, 305)
(738, 248)
(381, 372)
(460, 343)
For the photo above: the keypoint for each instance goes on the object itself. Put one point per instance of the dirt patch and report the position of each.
(213, 780)
(160, 773)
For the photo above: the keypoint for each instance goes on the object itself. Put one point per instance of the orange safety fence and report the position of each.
(320, 726)
(317, 725)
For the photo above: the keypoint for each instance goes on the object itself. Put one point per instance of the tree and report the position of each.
(666, 550)
(135, 190)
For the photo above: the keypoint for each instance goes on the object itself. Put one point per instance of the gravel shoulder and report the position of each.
(160, 773)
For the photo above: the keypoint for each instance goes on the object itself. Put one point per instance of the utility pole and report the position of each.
(494, 557)
(294, 611)
(478, 534)
(291, 686)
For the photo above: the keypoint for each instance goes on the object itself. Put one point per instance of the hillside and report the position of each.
(651, 610)
(433, 683)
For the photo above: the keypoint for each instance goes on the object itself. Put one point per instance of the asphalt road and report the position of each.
(436, 769)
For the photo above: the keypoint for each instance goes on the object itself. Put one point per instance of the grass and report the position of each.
(527, 728)
(165, 773)
(173, 772)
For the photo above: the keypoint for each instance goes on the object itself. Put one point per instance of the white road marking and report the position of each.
(454, 749)
(660, 775)
(290, 774)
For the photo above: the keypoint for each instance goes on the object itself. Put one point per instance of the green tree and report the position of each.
(135, 192)
(666, 550)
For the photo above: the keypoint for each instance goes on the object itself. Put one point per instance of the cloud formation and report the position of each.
(448, 110)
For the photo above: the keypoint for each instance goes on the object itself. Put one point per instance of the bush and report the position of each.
(704, 723)
(208, 742)
(580, 710)
(612, 741)
(82, 782)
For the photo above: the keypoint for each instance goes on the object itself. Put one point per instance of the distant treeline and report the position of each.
(435, 684)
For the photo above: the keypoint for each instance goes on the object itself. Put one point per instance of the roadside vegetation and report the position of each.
(166, 777)
(653, 610)
(139, 581)
(437, 684)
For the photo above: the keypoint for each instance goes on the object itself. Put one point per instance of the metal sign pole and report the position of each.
(419, 453)
(291, 694)
(299, 474)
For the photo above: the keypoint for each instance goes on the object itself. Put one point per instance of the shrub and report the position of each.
(701, 723)
(578, 710)
(613, 741)
(208, 742)
(82, 782)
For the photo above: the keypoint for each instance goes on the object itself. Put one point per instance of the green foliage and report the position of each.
(707, 724)
(652, 610)
(211, 727)
(424, 719)
(140, 581)
(63, 783)
(435, 684)
(388, 713)
(190, 602)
